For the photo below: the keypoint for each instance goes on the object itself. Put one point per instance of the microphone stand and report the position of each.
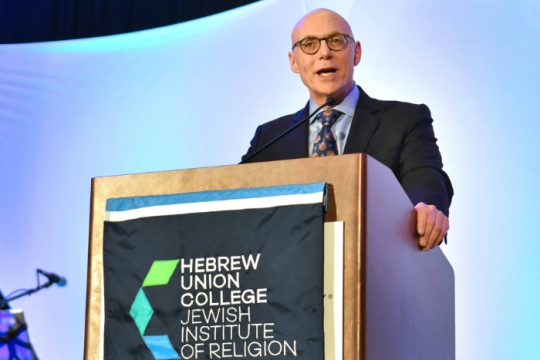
(10, 338)
(328, 102)
(27, 292)
(51, 279)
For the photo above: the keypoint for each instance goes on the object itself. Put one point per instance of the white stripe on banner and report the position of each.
(219, 205)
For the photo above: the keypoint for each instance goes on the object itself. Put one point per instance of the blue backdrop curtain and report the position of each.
(46, 20)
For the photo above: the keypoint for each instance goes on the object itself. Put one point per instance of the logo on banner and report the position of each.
(219, 320)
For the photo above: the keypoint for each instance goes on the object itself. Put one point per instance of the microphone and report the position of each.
(53, 278)
(329, 102)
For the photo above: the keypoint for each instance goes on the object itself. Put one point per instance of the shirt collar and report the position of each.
(347, 106)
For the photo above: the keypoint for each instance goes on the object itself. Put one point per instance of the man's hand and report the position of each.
(431, 225)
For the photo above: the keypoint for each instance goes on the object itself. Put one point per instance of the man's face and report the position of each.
(327, 73)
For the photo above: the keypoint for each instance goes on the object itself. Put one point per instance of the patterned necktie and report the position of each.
(325, 144)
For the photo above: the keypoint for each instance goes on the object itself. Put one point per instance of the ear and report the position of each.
(292, 62)
(357, 53)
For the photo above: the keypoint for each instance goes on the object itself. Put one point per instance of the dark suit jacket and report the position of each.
(399, 135)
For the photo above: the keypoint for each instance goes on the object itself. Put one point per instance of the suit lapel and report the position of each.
(297, 146)
(363, 125)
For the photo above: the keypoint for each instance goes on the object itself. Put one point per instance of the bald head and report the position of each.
(317, 17)
(325, 72)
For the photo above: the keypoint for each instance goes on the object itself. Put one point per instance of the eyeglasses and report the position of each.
(311, 45)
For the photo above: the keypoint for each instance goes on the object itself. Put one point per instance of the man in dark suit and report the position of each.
(400, 135)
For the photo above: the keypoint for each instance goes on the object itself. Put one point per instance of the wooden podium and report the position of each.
(398, 300)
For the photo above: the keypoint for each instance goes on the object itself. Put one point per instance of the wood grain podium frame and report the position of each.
(398, 302)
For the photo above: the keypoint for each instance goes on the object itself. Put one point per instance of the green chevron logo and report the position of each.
(141, 311)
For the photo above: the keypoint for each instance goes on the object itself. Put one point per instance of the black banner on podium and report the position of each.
(216, 274)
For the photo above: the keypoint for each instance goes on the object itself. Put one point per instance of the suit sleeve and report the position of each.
(421, 173)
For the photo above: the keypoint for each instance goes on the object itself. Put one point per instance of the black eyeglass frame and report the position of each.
(299, 43)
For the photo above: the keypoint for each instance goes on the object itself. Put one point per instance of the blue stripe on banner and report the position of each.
(123, 204)
(161, 347)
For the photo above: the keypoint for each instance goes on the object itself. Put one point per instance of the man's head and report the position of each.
(327, 72)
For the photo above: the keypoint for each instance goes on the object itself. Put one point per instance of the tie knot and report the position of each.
(329, 117)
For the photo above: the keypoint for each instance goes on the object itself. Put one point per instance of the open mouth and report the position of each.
(326, 71)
